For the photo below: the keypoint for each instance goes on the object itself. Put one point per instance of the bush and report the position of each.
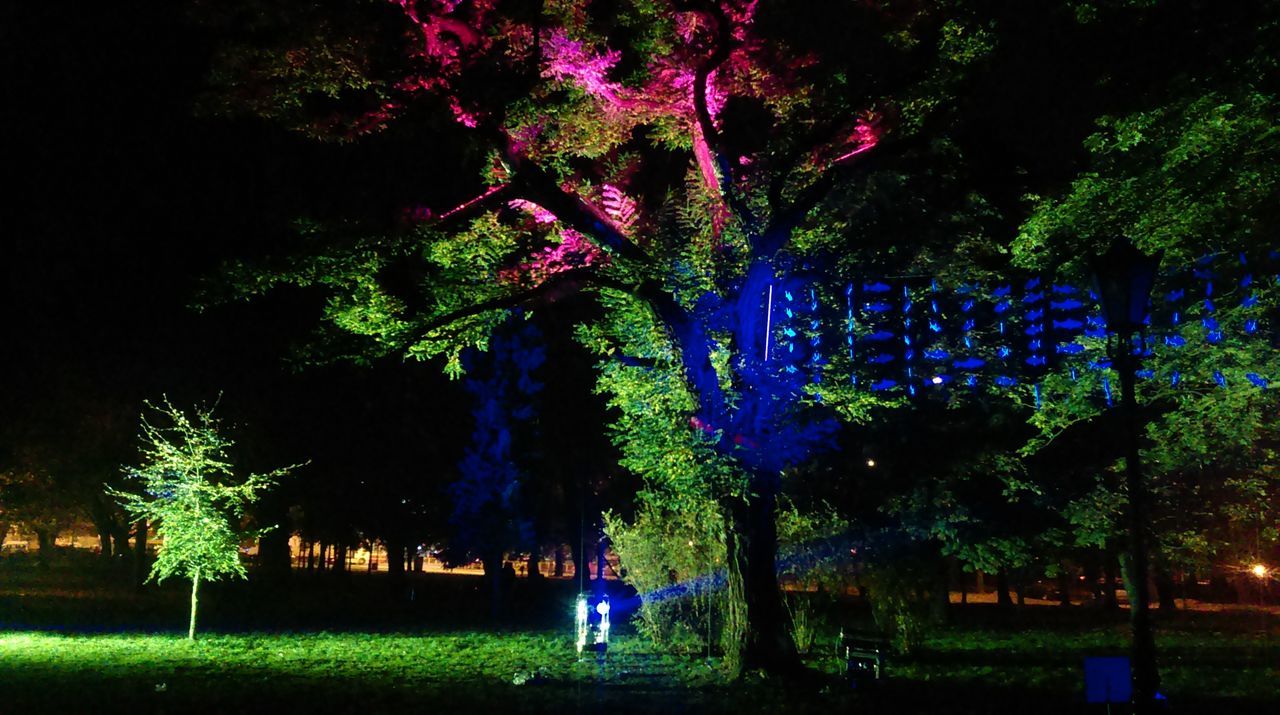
(675, 560)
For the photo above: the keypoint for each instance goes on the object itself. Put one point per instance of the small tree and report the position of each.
(189, 490)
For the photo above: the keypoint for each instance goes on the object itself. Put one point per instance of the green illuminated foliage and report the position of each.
(186, 486)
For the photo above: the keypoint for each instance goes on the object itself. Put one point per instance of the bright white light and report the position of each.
(1259, 570)
(871, 462)
(602, 607)
(937, 379)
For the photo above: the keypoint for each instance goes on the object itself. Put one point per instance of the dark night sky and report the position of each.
(122, 201)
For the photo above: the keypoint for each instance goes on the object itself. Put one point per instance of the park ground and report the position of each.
(75, 641)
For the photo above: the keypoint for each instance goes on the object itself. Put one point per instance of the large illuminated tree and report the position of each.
(674, 158)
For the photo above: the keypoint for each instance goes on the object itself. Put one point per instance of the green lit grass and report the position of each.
(336, 671)
(74, 643)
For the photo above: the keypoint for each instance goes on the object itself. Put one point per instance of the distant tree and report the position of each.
(187, 487)
(489, 515)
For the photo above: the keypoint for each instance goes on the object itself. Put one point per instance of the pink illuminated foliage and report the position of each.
(573, 251)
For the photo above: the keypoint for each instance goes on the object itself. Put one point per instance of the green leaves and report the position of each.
(186, 485)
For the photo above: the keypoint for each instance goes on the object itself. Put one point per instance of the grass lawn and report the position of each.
(70, 646)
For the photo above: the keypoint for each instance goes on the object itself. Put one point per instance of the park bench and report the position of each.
(863, 656)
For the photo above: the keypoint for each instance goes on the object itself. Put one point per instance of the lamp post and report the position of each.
(1123, 278)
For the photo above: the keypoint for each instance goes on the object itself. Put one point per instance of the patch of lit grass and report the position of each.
(339, 670)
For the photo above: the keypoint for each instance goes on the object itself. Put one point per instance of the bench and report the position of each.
(863, 656)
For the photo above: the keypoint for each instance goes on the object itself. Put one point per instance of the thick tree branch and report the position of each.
(535, 184)
(555, 282)
(784, 222)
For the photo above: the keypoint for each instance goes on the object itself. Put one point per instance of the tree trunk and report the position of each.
(1064, 587)
(311, 556)
(140, 553)
(46, 538)
(940, 598)
(1091, 574)
(1002, 589)
(104, 543)
(559, 571)
(339, 558)
(979, 582)
(120, 537)
(534, 566)
(492, 561)
(1020, 586)
(323, 563)
(395, 560)
(273, 553)
(764, 641)
(1109, 588)
(195, 586)
(1165, 594)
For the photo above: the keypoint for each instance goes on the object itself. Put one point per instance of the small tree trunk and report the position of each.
(195, 586)
(979, 582)
(311, 556)
(559, 572)
(1064, 587)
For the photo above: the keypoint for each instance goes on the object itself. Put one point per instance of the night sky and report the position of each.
(123, 203)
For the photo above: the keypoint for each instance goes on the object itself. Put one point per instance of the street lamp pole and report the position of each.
(1123, 277)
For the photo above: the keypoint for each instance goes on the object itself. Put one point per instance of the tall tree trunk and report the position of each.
(323, 563)
(765, 641)
(979, 582)
(559, 570)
